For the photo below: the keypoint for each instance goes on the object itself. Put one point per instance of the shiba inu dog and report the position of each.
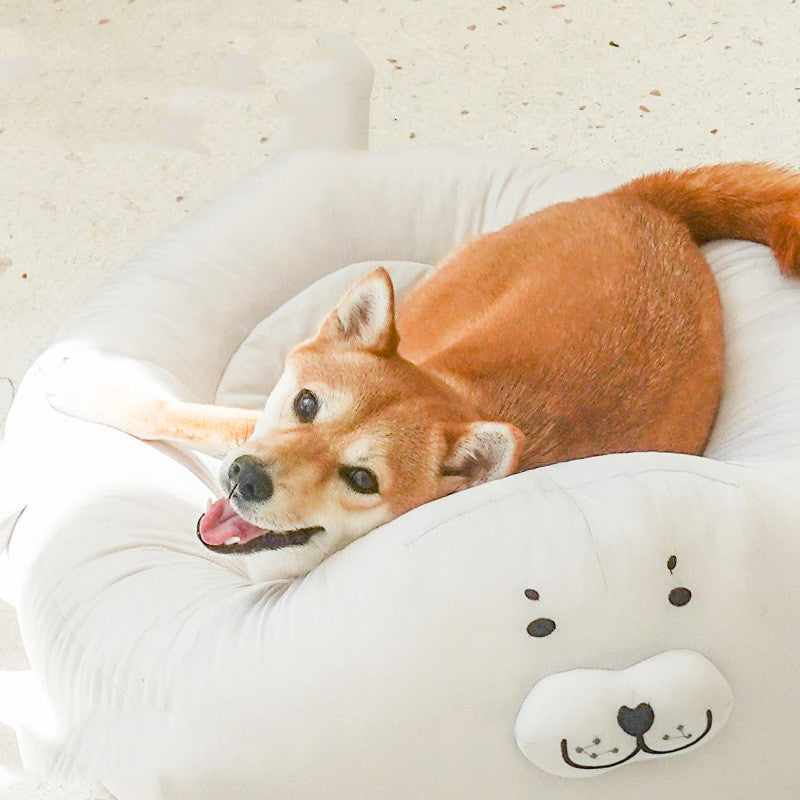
(589, 327)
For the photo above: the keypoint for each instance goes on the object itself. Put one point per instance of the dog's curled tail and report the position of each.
(757, 202)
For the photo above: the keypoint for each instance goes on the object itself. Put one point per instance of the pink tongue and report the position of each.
(221, 522)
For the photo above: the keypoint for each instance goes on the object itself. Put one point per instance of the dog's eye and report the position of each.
(359, 479)
(306, 406)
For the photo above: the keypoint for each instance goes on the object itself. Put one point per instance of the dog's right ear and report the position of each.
(364, 317)
(479, 452)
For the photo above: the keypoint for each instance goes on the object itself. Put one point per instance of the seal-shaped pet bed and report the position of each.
(618, 627)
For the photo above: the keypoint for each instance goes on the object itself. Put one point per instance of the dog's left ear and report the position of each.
(481, 452)
(364, 317)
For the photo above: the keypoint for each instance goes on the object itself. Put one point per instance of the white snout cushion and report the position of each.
(678, 699)
(397, 669)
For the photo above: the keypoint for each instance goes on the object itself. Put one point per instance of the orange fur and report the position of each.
(589, 327)
(595, 326)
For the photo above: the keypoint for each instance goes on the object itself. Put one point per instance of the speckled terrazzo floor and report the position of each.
(119, 117)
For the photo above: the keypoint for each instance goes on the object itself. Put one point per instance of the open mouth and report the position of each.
(222, 530)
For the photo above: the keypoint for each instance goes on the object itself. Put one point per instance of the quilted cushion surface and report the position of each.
(397, 668)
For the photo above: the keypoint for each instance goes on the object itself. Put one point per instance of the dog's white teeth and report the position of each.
(232, 540)
(209, 504)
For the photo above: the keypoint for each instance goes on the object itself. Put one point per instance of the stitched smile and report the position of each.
(641, 747)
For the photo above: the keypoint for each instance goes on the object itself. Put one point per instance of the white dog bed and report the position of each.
(500, 643)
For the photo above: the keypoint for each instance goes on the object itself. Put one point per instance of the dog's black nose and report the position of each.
(250, 477)
(636, 721)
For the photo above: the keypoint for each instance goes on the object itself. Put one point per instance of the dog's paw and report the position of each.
(78, 388)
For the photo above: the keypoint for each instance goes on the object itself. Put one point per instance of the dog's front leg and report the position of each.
(81, 392)
(212, 429)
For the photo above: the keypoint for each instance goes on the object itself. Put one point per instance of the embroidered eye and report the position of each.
(359, 479)
(680, 596)
(541, 627)
(306, 406)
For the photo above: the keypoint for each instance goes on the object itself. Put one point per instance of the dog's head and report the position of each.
(352, 436)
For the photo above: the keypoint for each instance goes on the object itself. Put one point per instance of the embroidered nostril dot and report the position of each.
(672, 562)
(541, 627)
(680, 596)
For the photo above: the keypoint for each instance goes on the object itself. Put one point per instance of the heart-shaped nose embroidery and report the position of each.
(636, 721)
